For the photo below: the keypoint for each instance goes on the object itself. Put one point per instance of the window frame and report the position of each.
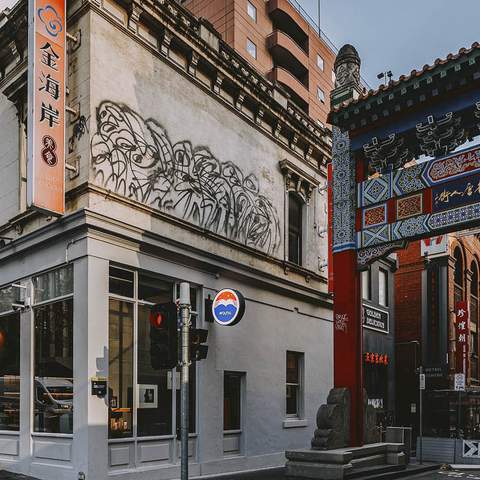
(300, 386)
(321, 94)
(382, 271)
(368, 274)
(320, 62)
(195, 311)
(291, 195)
(249, 44)
(12, 313)
(250, 5)
(42, 303)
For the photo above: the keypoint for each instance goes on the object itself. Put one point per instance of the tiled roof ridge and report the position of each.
(404, 78)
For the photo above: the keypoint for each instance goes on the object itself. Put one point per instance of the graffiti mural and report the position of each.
(135, 157)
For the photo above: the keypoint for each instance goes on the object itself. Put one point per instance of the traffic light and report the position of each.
(198, 336)
(163, 336)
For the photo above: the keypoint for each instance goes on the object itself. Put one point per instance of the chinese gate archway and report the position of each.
(397, 176)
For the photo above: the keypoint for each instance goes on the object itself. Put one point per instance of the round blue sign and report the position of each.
(228, 307)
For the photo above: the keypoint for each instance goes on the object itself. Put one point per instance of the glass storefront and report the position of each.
(143, 402)
(10, 372)
(53, 352)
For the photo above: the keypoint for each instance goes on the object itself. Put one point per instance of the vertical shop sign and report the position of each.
(461, 337)
(46, 105)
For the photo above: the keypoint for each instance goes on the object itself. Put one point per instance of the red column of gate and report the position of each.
(347, 348)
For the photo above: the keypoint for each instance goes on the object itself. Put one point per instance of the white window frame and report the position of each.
(381, 272)
(252, 11)
(320, 62)
(366, 277)
(300, 386)
(320, 94)
(251, 45)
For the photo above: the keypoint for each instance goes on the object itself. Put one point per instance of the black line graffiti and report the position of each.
(80, 128)
(135, 157)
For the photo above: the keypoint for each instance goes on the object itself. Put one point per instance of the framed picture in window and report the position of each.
(147, 396)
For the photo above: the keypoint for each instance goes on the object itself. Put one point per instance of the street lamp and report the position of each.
(385, 75)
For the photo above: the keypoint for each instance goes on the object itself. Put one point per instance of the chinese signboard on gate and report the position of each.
(461, 337)
(46, 105)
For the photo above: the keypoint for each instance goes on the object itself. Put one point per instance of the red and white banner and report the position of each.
(434, 246)
(461, 337)
(46, 105)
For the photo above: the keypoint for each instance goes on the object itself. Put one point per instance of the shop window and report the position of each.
(320, 62)
(121, 282)
(294, 388)
(458, 275)
(252, 11)
(7, 298)
(53, 351)
(53, 284)
(10, 372)
(383, 287)
(295, 227)
(366, 277)
(251, 48)
(156, 395)
(232, 401)
(120, 368)
(53, 367)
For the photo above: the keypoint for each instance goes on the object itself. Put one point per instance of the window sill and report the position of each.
(295, 423)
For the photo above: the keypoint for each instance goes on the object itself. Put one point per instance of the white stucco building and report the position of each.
(190, 166)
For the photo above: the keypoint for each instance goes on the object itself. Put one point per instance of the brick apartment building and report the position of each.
(428, 283)
(279, 39)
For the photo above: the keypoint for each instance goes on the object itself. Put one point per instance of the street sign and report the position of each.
(228, 307)
(459, 382)
(422, 381)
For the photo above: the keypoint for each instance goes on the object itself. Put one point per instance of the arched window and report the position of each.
(474, 319)
(295, 227)
(458, 275)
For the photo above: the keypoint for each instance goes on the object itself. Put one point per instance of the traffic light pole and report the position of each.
(184, 413)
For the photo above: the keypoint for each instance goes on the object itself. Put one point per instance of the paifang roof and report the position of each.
(449, 73)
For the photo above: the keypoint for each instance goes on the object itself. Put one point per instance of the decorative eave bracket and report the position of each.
(296, 180)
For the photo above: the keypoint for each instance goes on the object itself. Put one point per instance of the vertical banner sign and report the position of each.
(46, 105)
(330, 226)
(461, 337)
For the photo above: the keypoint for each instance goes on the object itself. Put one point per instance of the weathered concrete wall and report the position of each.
(9, 161)
(159, 139)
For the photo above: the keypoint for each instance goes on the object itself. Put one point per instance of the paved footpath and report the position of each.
(278, 474)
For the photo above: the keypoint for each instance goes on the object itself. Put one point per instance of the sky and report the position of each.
(398, 35)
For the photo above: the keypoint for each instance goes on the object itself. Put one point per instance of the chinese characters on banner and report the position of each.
(46, 105)
(461, 337)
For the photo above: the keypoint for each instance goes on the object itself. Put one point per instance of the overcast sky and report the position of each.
(398, 35)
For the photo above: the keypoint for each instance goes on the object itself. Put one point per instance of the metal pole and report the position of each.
(319, 28)
(184, 413)
(421, 419)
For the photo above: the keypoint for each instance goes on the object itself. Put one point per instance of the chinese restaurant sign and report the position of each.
(461, 337)
(375, 319)
(46, 105)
